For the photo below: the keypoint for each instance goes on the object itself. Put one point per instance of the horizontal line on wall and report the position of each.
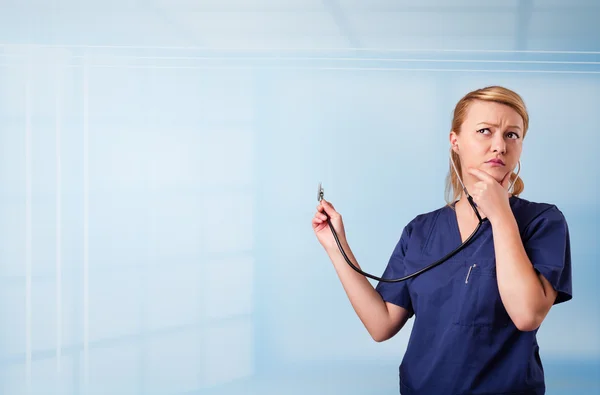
(328, 58)
(280, 49)
(329, 69)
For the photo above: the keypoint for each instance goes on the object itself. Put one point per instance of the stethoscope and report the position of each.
(321, 193)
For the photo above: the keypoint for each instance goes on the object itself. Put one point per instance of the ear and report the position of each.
(454, 141)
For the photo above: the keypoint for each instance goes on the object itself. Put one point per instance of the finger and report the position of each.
(482, 186)
(319, 227)
(482, 175)
(321, 216)
(329, 203)
(321, 207)
(329, 208)
(318, 221)
(478, 189)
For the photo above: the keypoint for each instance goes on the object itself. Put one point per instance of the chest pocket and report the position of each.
(479, 302)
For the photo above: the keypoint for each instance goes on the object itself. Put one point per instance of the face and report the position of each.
(490, 139)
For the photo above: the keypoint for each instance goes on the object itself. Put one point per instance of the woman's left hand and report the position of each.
(490, 195)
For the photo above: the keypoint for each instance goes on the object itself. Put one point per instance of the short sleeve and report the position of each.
(396, 293)
(548, 247)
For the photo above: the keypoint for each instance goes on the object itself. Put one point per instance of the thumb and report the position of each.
(329, 209)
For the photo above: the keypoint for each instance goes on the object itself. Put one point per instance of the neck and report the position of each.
(464, 208)
(469, 182)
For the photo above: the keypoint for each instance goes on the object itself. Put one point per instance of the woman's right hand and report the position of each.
(321, 227)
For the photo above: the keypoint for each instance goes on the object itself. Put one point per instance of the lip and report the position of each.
(497, 162)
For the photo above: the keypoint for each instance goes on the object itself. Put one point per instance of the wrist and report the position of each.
(504, 220)
(333, 249)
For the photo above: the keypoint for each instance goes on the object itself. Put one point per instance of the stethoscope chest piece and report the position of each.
(320, 193)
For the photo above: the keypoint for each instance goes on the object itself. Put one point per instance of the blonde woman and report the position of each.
(477, 314)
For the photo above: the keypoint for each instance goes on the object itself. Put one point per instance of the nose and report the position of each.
(498, 144)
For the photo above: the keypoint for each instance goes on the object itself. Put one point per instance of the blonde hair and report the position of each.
(495, 94)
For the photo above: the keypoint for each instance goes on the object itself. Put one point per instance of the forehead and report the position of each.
(494, 113)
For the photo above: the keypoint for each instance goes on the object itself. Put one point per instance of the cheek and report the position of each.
(516, 149)
(476, 153)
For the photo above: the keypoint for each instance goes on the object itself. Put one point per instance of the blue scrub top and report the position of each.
(463, 340)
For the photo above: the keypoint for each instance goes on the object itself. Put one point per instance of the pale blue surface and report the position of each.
(159, 164)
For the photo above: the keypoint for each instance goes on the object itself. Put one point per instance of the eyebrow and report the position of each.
(496, 125)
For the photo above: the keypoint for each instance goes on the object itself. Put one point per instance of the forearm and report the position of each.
(520, 287)
(366, 301)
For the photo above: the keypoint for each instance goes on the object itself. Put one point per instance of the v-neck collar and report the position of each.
(453, 220)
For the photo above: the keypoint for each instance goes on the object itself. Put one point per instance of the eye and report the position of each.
(482, 131)
(512, 135)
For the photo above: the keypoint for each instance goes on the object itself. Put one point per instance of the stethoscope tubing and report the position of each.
(426, 268)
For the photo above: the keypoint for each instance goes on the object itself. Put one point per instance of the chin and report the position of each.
(497, 172)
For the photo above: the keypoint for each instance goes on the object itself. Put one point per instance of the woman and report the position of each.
(477, 314)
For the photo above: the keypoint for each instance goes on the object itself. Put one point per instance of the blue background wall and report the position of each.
(159, 163)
